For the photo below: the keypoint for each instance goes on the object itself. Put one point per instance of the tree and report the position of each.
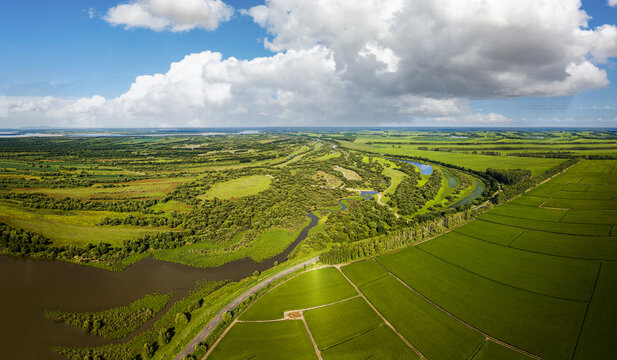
(165, 335)
(227, 316)
(182, 319)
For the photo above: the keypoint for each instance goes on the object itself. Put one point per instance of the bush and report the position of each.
(182, 319)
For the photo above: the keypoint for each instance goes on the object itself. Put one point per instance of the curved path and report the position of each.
(203, 334)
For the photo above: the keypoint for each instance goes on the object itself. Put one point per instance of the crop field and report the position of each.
(526, 280)
(270, 340)
(310, 289)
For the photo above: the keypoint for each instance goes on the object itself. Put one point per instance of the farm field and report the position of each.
(526, 280)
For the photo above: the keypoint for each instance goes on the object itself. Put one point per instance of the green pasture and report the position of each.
(328, 156)
(364, 272)
(240, 187)
(268, 341)
(313, 288)
(171, 205)
(539, 324)
(72, 227)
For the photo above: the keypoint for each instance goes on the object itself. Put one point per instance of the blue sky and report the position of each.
(66, 49)
(53, 47)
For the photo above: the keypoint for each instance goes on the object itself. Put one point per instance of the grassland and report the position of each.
(348, 174)
(71, 228)
(240, 187)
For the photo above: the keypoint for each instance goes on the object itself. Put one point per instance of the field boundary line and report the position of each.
(300, 310)
(478, 349)
(511, 242)
(499, 282)
(469, 326)
(587, 310)
(404, 339)
(354, 337)
(552, 232)
(541, 253)
(211, 348)
(317, 352)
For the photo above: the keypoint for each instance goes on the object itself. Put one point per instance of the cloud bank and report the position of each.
(173, 15)
(350, 63)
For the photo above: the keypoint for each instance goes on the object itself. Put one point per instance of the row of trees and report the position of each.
(345, 252)
(42, 201)
(508, 176)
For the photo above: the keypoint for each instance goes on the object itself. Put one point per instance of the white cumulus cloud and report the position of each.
(340, 62)
(612, 2)
(174, 15)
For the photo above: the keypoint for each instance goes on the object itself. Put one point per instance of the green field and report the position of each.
(243, 186)
(548, 275)
(420, 322)
(74, 227)
(314, 288)
(271, 340)
(325, 323)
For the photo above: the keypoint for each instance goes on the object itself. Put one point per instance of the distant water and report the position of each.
(424, 169)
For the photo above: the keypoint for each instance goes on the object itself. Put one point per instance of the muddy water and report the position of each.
(29, 286)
